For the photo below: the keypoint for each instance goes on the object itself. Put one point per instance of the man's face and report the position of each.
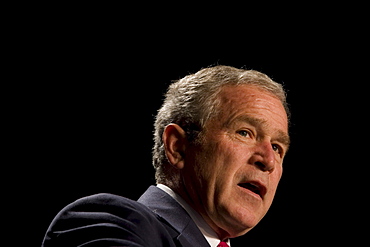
(237, 168)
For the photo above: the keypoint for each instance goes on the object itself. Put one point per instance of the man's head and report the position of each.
(220, 139)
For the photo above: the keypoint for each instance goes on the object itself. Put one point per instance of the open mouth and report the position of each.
(255, 187)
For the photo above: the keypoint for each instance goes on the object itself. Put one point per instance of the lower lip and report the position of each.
(249, 192)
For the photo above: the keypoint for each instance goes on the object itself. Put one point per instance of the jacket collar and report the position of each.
(175, 215)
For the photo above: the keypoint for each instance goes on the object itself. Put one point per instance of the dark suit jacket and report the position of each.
(156, 219)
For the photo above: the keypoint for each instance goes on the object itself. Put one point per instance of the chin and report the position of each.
(241, 222)
(236, 233)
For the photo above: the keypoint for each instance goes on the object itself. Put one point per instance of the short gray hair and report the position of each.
(191, 101)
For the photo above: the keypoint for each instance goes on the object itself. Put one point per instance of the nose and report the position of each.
(263, 157)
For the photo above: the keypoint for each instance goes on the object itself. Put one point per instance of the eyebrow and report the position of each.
(281, 137)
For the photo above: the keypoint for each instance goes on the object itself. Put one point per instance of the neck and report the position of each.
(197, 205)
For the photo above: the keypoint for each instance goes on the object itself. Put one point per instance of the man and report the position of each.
(220, 139)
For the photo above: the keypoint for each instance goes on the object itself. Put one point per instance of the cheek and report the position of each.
(276, 175)
(273, 184)
(217, 167)
(230, 163)
(220, 157)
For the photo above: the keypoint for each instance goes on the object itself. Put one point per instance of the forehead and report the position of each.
(238, 102)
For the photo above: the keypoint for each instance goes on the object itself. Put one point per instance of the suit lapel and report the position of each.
(183, 227)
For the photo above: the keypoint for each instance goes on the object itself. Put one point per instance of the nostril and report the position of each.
(262, 166)
(263, 161)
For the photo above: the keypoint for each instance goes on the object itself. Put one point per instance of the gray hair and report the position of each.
(191, 101)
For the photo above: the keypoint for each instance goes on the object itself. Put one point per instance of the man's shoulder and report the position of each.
(106, 201)
(106, 218)
(105, 205)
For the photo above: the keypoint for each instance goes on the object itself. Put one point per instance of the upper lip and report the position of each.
(254, 186)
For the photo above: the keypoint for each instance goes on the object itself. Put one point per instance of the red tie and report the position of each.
(223, 244)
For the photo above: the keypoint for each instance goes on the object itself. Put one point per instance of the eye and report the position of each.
(243, 133)
(276, 148)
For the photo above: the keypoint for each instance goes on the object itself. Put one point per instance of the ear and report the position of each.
(174, 139)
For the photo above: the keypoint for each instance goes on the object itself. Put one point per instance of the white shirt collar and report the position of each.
(206, 230)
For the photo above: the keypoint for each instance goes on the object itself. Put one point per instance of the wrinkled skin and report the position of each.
(243, 148)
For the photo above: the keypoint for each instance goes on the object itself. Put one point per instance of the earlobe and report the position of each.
(174, 139)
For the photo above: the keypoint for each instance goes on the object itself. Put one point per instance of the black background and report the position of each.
(85, 90)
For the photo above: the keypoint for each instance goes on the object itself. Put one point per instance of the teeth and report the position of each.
(255, 185)
(252, 187)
